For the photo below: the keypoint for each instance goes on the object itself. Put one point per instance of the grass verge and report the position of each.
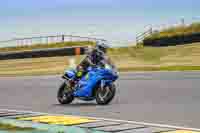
(173, 58)
(163, 68)
(123, 69)
(9, 127)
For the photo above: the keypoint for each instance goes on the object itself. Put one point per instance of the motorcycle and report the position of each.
(97, 84)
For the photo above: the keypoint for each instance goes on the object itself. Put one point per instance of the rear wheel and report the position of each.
(64, 95)
(105, 95)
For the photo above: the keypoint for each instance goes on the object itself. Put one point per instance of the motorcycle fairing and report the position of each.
(90, 80)
(70, 73)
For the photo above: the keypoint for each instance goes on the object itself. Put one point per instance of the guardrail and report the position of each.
(140, 37)
(49, 52)
(46, 40)
(156, 28)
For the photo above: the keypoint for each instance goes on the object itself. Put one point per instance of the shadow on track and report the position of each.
(77, 105)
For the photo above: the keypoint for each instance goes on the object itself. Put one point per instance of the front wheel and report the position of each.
(105, 95)
(64, 96)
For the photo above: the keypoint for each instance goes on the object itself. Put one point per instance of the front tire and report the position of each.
(64, 96)
(105, 96)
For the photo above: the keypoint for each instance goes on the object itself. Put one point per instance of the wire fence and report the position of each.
(140, 37)
(150, 29)
(175, 23)
(46, 40)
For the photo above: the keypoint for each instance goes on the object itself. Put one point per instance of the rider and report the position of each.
(97, 57)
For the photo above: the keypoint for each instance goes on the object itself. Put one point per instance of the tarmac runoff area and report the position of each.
(143, 99)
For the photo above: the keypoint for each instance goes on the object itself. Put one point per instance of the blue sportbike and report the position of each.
(97, 84)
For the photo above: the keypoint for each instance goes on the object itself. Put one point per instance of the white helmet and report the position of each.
(101, 46)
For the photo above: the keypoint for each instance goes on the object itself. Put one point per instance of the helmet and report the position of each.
(101, 46)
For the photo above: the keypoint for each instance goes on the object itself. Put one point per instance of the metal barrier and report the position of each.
(156, 28)
(142, 36)
(50, 52)
(46, 40)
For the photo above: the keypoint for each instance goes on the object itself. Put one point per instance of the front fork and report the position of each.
(104, 83)
(105, 90)
(69, 86)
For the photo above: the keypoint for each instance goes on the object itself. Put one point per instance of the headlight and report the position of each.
(108, 67)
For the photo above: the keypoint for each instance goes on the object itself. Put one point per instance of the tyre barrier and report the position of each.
(174, 40)
(51, 52)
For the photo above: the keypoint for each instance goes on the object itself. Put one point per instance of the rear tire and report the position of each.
(64, 96)
(107, 97)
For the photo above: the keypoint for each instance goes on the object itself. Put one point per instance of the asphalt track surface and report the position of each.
(171, 98)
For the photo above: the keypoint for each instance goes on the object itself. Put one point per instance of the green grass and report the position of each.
(176, 31)
(12, 128)
(36, 66)
(172, 58)
(157, 55)
(9, 127)
(163, 68)
(42, 46)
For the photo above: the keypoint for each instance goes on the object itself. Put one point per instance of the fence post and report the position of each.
(88, 40)
(151, 30)
(40, 40)
(47, 39)
(63, 38)
(21, 42)
(70, 38)
(136, 40)
(18, 43)
(31, 41)
(51, 39)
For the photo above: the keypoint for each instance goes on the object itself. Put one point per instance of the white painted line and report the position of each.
(123, 121)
